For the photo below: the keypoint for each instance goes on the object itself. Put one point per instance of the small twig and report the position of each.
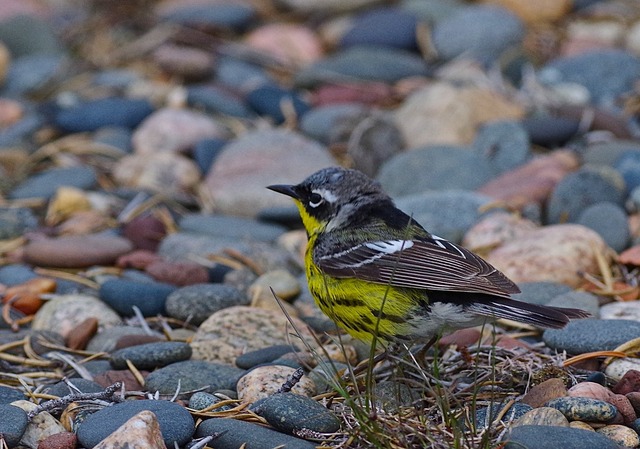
(109, 394)
(291, 381)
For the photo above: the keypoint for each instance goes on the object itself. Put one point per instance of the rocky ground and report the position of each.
(141, 255)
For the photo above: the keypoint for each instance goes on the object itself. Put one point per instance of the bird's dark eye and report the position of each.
(315, 199)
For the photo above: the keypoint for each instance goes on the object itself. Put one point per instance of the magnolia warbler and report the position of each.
(376, 272)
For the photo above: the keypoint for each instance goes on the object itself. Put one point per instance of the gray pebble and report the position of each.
(15, 222)
(195, 303)
(580, 336)
(583, 409)
(84, 385)
(151, 355)
(578, 300)
(289, 413)
(13, 424)
(554, 437)
(581, 189)
(8, 395)
(504, 144)
(447, 214)
(224, 226)
(176, 424)
(541, 292)
(264, 355)
(122, 295)
(434, 168)
(193, 375)
(610, 221)
(201, 400)
(233, 434)
(480, 32)
(46, 184)
(106, 340)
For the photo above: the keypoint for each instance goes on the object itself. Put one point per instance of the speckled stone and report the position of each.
(542, 416)
(584, 409)
(151, 355)
(232, 331)
(486, 415)
(620, 434)
(8, 395)
(264, 381)
(198, 302)
(289, 412)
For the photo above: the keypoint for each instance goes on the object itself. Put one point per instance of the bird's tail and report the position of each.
(523, 312)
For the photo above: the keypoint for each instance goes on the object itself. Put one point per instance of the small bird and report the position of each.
(377, 272)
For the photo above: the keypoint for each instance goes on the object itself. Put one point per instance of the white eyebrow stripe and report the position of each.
(327, 195)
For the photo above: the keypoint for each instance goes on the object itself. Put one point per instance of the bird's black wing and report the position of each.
(430, 262)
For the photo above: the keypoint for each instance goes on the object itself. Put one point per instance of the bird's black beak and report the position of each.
(285, 189)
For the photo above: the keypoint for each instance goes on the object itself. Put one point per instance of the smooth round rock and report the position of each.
(201, 400)
(232, 434)
(151, 355)
(266, 157)
(13, 423)
(578, 300)
(264, 355)
(505, 144)
(84, 385)
(540, 292)
(580, 336)
(540, 394)
(15, 222)
(31, 72)
(628, 165)
(387, 27)
(289, 412)
(176, 424)
(230, 227)
(232, 331)
(434, 168)
(92, 115)
(107, 340)
(264, 381)
(610, 221)
(618, 368)
(448, 214)
(579, 190)
(8, 395)
(624, 310)
(321, 122)
(218, 101)
(76, 251)
(122, 295)
(605, 73)
(623, 435)
(201, 15)
(196, 303)
(205, 152)
(46, 184)
(485, 416)
(550, 131)
(554, 437)
(373, 63)
(480, 32)
(583, 409)
(193, 375)
(64, 313)
(267, 100)
(542, 416)
(240, 75)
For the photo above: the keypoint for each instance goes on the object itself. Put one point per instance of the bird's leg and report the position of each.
(421, 354)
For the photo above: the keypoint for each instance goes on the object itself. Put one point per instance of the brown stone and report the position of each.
(80, 336)
(542, 393)
(145, 232)
(26, 296)
(62, 440)
(630, 382)
(110, 377)
(178, 273)
(634, 400)
(590, 390)
(127, 341)
(461, 337)
(532, 182)
(139, 259)
(624, 407)
(76, 251)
